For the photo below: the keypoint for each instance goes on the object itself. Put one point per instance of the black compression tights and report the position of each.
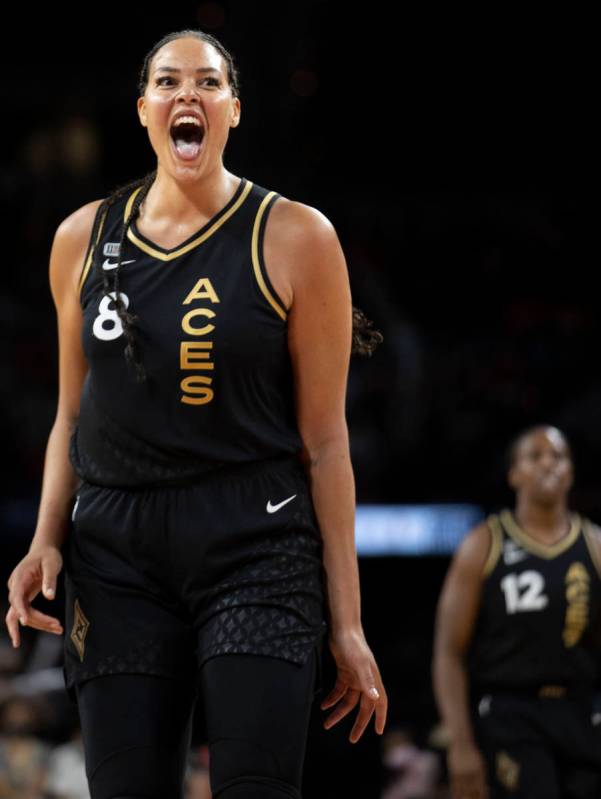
(136, 729)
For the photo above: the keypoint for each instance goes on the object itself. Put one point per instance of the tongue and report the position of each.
(187, 150)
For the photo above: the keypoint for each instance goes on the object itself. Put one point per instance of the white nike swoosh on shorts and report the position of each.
(272, 508)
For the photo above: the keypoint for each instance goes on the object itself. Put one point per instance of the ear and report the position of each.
(235, 113)
(142, 111)
(511, 478)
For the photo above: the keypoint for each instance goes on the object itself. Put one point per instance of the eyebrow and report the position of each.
(175, 69)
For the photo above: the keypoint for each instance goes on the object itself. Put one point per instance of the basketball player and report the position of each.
(205, 327)
(517, 640)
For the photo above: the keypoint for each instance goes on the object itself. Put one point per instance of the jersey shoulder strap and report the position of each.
(496, 543)
(98, 225)
(593, 543)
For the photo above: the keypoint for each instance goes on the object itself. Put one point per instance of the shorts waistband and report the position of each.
(215, 472)
(227, 470)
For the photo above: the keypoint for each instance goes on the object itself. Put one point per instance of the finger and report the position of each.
(366, 711)
(20, 598)
(13, 627)
(40, 621)
(18, 603)
(23, 590)
(349, 702)
(337, 692)
(31, 617)
(48, 578)
(381, 711)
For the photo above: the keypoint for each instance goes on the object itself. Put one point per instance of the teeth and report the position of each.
(187, 119)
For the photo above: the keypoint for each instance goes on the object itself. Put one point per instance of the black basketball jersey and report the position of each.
(539, 617)
(212, 335)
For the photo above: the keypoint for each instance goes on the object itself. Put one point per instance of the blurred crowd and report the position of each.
(41, 749)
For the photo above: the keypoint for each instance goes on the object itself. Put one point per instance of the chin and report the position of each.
(184, 173)
(549, 498)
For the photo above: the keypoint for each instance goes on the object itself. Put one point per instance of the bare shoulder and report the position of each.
(300, 241)
(69, 247)
(295, 220)
(473, 553)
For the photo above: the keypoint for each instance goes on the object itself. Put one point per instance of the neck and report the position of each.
(179, 202)
(547, 520)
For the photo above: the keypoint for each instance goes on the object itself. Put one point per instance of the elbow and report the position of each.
(66, 420)
(331, 443)
(445, 657)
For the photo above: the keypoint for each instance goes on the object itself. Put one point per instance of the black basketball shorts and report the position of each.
(160, 579)
(540, 748)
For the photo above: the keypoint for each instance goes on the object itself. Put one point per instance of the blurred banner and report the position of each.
(413, 529)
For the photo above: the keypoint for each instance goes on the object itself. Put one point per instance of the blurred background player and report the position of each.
(517, 646)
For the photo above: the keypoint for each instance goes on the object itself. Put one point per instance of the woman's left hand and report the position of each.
(358, 675)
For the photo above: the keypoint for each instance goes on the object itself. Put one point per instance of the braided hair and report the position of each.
(128, 319)
(364, 339)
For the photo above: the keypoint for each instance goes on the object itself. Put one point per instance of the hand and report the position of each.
(358, 676)
(467, 772)
(38, 568)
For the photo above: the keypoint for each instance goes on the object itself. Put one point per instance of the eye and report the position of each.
(167, 77)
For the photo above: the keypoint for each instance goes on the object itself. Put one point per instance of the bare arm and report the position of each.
(455, 622)
(319, 340)
(59, 479)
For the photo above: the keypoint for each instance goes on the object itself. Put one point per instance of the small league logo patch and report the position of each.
(80, 628)
(111, 248)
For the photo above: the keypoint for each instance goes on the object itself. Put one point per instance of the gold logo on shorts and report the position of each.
(80, 628)
(508, 771)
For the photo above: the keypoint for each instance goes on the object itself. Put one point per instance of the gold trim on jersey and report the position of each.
(170, 256)
(82, 278)
(255, 259)
(593, 545)
(496, 544)
(537, 547)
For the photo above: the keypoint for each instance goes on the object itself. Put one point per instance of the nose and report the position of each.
(548, 460)
(188, 91)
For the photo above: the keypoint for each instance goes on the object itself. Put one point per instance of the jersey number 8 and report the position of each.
(109, 315)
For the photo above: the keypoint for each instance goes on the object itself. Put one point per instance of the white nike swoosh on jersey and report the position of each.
(108, 265)
(511, 556)
(272, 508)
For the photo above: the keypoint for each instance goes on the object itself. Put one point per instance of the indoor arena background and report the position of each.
(450, 151)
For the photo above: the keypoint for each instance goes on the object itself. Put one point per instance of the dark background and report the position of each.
(452, 151)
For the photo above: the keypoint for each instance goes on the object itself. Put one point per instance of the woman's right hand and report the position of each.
(39, 568)
(467, 772)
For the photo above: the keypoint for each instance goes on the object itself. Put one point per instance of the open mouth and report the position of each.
(187, 140)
